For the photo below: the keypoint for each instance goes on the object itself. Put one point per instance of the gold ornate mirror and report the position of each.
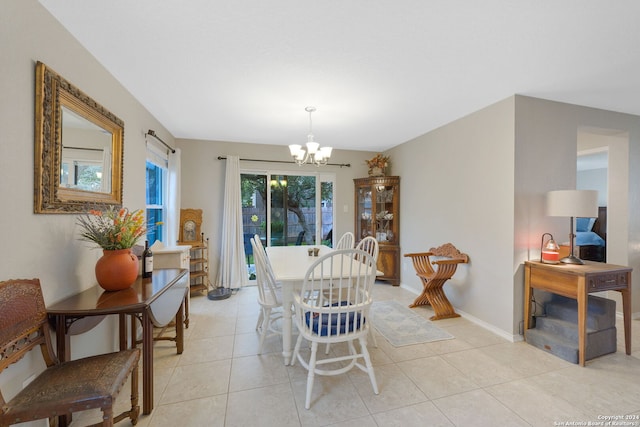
(78, 149)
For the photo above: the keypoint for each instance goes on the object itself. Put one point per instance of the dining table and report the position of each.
(290, 265)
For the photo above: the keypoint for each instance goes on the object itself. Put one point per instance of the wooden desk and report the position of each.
(577, 281)
(156, 301)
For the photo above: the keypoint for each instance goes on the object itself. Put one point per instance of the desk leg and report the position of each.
(581, 297)
(63, 347)
(287, 302)
(626, 312)
(527, 299)
(180, 327)
(187, 304)
(147, 362)
(63, 341)
(122, 331)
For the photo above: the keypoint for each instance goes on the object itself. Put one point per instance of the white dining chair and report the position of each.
(269, 295)
(258, 242)
(370, 245)
(349, 273)
(347, 241)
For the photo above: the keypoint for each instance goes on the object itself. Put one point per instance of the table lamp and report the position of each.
(572, 203)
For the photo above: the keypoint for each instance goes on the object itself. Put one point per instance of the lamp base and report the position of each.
(571, 259)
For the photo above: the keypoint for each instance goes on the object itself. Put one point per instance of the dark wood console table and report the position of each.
(156, 301)
(577, 281)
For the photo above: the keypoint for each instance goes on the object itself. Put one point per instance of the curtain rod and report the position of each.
(153, 134)
(346, 165)
(83, 148)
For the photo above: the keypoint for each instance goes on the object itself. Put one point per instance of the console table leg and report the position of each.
(626, 312)
(147, 363)
(581, 298)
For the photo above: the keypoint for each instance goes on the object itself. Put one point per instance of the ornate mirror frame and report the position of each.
(52, 94)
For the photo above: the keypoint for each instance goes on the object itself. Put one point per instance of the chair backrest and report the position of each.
(370, 245)
(421, 263)
(258, 241)
(449, 258)
(265, 279)
(346, 241)
(335, 297)
(448, 250)
(23, 322)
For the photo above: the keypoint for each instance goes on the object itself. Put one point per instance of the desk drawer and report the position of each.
(603, 282)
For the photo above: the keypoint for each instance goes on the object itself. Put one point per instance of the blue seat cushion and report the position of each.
(327, 323)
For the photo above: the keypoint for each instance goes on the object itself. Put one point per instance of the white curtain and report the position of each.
(232, 271)
(173, 204)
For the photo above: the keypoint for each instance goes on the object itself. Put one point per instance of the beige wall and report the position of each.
(480, 182)
(47, 246)
(457, 186)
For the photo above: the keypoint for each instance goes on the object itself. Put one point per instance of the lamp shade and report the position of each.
(574, 203)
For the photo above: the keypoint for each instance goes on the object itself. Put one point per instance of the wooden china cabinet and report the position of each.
(377, 214)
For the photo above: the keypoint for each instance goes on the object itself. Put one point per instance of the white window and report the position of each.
(157, 194)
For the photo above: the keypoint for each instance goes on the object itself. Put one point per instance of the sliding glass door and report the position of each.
(287, 209)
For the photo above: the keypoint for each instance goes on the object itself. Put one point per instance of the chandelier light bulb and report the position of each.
(314, 154)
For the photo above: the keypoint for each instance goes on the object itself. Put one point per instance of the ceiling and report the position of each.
(379, 72)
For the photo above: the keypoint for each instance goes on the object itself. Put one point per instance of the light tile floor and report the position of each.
(477, 379)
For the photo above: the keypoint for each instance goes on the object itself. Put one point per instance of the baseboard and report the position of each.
(634, 316)
(489, 327)
(485, 325)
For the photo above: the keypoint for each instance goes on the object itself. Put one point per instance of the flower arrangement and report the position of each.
(379, 161)
(113, 229)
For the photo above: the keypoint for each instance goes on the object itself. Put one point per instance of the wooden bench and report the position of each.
(62, 388)
(434, 279)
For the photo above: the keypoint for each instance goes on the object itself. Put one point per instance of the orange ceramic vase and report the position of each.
(117, 269)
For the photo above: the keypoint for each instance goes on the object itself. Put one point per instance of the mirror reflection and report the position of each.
(86, 154)
(78, 149)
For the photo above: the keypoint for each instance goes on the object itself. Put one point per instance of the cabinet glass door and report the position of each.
(365, 208)
(385, 215)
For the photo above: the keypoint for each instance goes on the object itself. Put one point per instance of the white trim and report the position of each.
(482, 323)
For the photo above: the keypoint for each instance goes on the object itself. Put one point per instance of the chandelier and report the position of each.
(314, 154)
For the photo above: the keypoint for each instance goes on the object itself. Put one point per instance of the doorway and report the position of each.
(286, 209)
(607, 153)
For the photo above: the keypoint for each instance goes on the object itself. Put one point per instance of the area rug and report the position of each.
(401, 326)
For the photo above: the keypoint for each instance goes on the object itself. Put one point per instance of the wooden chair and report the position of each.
(62, 388)
(321, 320)
(434, 279)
